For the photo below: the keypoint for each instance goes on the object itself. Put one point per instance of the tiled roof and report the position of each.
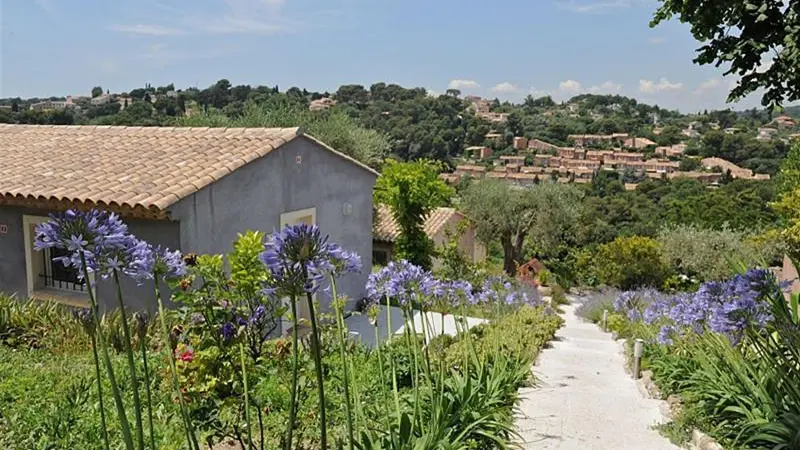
(386, 229)
(131, 169)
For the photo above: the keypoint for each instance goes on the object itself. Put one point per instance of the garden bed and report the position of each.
(726, 354)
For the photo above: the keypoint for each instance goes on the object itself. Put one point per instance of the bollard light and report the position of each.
(638, 348)
(605, 320)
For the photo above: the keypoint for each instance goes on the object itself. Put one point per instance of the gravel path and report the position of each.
(585, 399)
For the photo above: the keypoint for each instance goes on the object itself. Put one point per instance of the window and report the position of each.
(58, 276)
(307, 216)
(380, 257)
(47, 278)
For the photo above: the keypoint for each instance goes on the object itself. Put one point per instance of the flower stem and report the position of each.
(176, 386)
(246, 397)
(137, 404)
(345, 371)
(295, 371)
(383, 377)
(389, 335)
(317, 352)
(149, 397)
(123, 419)
(100, 392)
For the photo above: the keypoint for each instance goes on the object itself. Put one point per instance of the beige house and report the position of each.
(386, 230)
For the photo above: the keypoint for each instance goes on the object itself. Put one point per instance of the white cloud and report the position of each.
(662, 85)
(609, 87)
(463, 84)
(505, 88)
(140, 29)
(708, 85)
(569, 86)
(432, 93)
(536, 93)
(656, 40)
(596, 7)
(254, 17)
(231, 25)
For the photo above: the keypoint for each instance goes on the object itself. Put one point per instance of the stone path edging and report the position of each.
(648, 388)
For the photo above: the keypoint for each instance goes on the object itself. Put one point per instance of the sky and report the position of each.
(505, 48)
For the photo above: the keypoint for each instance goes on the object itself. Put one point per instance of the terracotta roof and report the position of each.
(386, 229)
(139, 170)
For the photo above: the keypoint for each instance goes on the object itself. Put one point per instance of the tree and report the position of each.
(453, 92)
(502, 213)
(788, 203)
(97, 91)
(689, 164)
(138, 94)
(334, 127)
(789, 176)
(412, 190)
(352, 93)
(545, 215)
(631, 262)
(742, 35)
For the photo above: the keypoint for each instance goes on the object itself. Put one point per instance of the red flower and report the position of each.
(186, 356)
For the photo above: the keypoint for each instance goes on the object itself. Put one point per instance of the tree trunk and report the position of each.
(520, 241)
(509, 257)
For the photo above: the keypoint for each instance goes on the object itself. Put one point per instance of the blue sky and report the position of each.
(505, 48)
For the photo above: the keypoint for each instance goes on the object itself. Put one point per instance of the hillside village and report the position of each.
(529, 161)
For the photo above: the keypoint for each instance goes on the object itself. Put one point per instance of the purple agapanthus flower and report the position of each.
(148, 262)
(228, 331)
(98, 237)
(725, 307)
(299, 260)
(403, 281)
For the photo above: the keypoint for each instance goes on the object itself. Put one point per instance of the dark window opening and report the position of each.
(380, 257)
(57, 276)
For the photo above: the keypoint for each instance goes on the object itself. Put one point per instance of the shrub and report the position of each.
(519, 335)
(544, 277)
(708, 254)
(630, 262)
(592, 307)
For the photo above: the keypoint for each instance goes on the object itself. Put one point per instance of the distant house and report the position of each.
(101, 99)
(585, 140)
(480, 152)
(765, 133)
(192, 189)
(438, 224)
(661, 166)
(785, 121)
(542, 146)
(637, 143)
(494, 117)
(671, 151)
(47, 105)
(512, 159)
(736, 171)
(520, 143)
(471, 170)
(321, 104)
(493, 136)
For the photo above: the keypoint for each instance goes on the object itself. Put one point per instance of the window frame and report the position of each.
(68, 296)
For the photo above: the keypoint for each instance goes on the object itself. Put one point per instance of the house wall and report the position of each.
(301, 174)
(13, 270)
(789, 274)
(468, 243)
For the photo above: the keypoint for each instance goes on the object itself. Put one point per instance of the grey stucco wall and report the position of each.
(13, 271)
(254, 197)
